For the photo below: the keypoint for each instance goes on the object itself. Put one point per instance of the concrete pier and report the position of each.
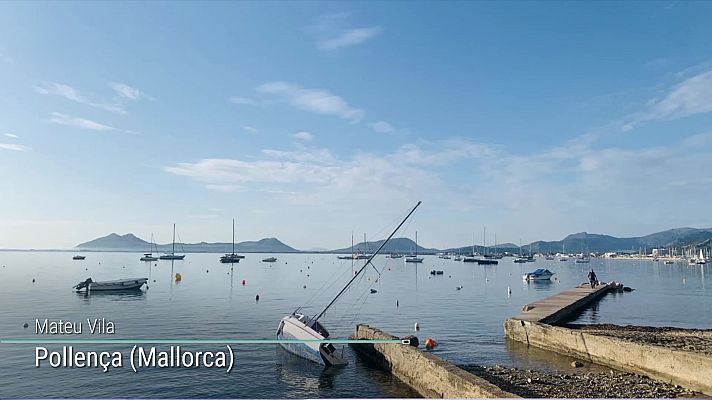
(534, 327)
(429, 375)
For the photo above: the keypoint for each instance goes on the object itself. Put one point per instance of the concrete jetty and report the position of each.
(428, 374)
(535, 326)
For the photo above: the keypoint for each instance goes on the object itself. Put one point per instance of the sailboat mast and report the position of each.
(416, 243)
(353, 278)
(173, 248)
(484, 240)
(233, 236)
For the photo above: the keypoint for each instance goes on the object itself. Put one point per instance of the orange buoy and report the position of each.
(430, 343)
(178, 277)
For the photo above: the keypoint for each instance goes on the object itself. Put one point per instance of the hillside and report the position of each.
(130, 242)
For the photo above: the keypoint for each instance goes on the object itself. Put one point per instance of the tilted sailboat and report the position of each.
(172, 255)
(230, 258)
(313, 336)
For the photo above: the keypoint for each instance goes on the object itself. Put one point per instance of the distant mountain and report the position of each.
(129, 242)
(395, 245)
(604, 243)
(116, 242)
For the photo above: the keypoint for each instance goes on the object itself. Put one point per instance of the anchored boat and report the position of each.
(311, 333)
(172, 255)
(78, 257)
(149, 256)
(540, 274)
(230, 258)
(269, 259)
(122, 284)
(414, 258)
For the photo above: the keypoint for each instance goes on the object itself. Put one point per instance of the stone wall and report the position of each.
(691, 370)
(428, 374)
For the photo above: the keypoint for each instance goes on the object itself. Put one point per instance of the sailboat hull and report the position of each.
(172, 257)
(292, 328)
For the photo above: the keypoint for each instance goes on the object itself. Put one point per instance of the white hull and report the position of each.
(292, 327)
(538, 275)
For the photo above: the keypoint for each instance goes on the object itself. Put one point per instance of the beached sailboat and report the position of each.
(149, 256)
(172, 255)
(313, 342)
(414, 258)
(118, 285)
(230, 258)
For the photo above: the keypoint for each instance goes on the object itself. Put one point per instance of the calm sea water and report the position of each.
(212, 303)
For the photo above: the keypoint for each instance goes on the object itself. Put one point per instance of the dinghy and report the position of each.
(122, 284)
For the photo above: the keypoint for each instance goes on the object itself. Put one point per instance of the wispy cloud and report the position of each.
(382, 127)
(10, 135)
(14, 147)
(68, 120)
(334, 32)
(689, 97)
(242, 100)
(250, 130)
(303, 135)
(313, 100)
(127, 92)
(73, 94)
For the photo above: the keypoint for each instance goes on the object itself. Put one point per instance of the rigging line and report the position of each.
(330, 281)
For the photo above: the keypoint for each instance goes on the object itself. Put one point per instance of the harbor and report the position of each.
(466, 322)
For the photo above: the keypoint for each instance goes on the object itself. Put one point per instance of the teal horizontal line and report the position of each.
(187, 341)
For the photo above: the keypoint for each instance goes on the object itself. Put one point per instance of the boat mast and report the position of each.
(353, 278)
(173, 249)
(233, 236)
(416, 244)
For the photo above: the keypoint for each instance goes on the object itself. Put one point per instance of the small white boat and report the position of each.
(540, 274)
(122, 284)
(149, 256)
(78, 257)
(521, 260)
(269, 259)
(414, 258)
(583, 260)
(701, 259)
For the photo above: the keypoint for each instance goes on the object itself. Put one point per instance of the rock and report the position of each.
(576, 364)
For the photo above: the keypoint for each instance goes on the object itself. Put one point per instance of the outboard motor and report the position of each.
(81, 285)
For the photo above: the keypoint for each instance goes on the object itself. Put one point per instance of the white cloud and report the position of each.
(382, 127)
(689, 97)
(14, 147)
(70, 93)
(128, 92)
(313, 100)
(10, 135)
(250, 130)
(68, 120)
(242, 100)
(349, 37)
(303, 135)
(333, 31)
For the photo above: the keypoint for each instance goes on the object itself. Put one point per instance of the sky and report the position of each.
(310, 121)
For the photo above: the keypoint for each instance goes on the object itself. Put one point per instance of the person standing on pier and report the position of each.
(593, 279)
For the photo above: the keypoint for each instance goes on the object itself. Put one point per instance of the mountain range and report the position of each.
(573, 243)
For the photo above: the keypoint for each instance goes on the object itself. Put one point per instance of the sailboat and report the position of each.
(584, 259)
(172, 255)
(701, 259)
(230, 258)
(149, 256)
(308, 338)
(563, 253)
(414, 258)
(521, 259)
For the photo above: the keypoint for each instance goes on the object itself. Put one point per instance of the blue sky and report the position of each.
(309, 121)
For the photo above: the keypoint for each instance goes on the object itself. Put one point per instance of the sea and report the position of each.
(219, 301)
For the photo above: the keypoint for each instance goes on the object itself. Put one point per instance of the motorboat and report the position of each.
(521, 260)
(89, 285)
(395, 255)
(583, 260)
(78, 257)
(436, 272)
(269, 259)
(540, 274)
